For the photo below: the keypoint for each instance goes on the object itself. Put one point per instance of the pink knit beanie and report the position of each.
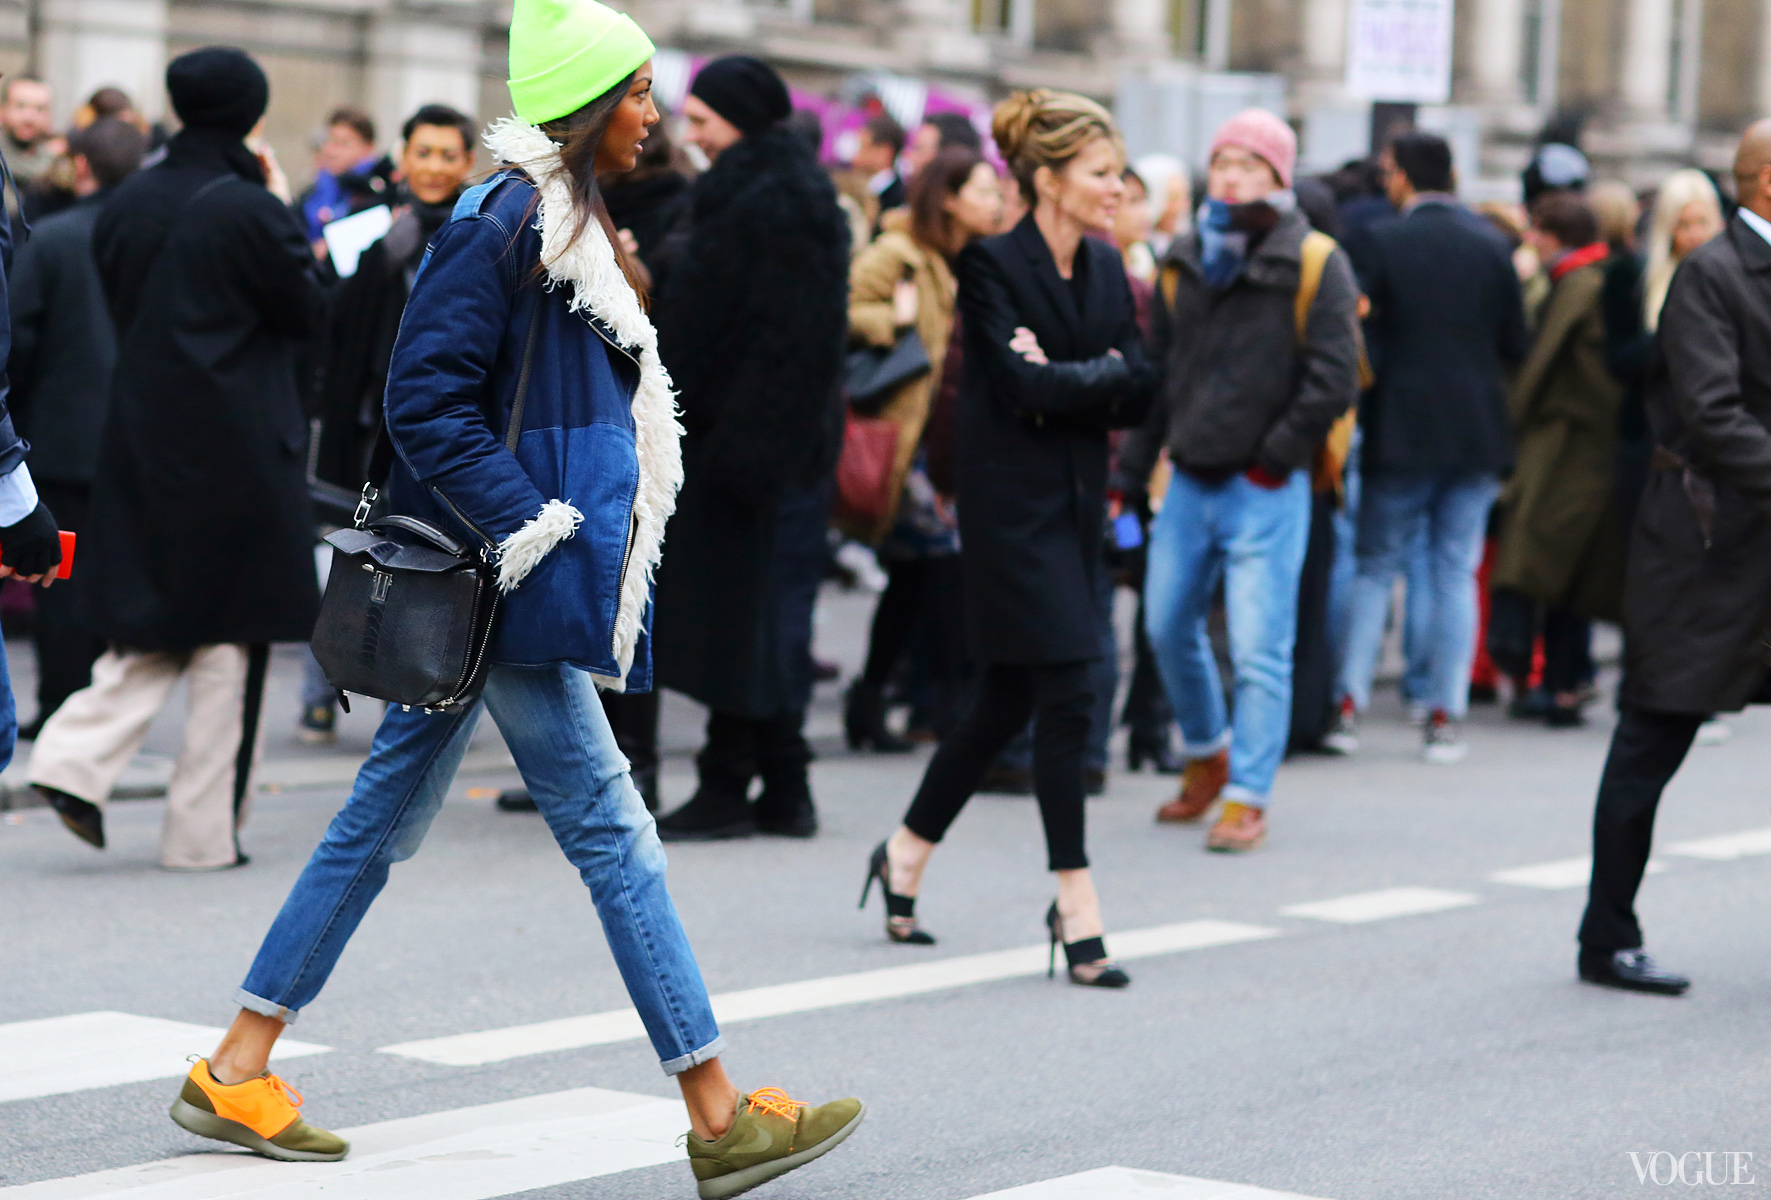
(1258, 130)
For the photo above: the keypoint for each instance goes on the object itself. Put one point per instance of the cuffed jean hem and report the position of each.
(1206, 749)
(266, 1008)
(695, 1058)
(1242, 795)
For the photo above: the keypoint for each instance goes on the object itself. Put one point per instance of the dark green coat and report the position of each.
(1561, 542)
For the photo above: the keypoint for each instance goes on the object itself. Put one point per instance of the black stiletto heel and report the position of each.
(901, 909)
(1086, 952)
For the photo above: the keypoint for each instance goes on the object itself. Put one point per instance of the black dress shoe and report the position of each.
(1094, 781)
(709, 816)
(1631, 970)
(515, 800)
(84, 819)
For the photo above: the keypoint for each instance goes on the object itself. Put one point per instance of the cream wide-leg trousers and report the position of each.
(85, 745)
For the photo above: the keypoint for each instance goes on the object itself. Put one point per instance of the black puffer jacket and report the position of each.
(1237, 389)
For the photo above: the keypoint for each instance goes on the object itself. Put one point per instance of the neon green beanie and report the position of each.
(566, 53)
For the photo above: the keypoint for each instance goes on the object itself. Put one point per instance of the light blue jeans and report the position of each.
(1417, 675)
(553, 722)
(1397, 512)
(1253, 538)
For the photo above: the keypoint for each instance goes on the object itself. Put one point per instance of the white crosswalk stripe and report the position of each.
(1557, 875)
(622, 1025)
(461, 1154)
(1726, 848)
(57, 1055)
(1121, 1183)
(1380, 905)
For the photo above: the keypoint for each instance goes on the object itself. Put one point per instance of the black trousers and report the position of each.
(66, 646)
(740, 749)
(1060, 698)
(1646, 751)
(1567, 641)
(924, 593)
(633, 718)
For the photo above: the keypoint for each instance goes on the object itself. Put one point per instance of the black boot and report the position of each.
(784, 808)
(713, 813)
(864, 720)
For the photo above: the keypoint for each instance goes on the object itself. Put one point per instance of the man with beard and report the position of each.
(752, 326)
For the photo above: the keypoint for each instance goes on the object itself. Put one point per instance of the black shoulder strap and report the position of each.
(382, 458)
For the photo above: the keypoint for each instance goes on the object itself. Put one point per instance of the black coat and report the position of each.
(752, 324)
(1447, 323)
(1697, 604)
(201, 531)
(1033, 441)
(650, 208)
(63, 346)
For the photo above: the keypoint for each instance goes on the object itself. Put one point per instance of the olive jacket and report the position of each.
(1561, 539)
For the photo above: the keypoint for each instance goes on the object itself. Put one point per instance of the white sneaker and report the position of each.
(1444, 742)
(1714, 732)
(1343, 737)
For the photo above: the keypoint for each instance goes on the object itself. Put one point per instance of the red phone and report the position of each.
(67, 554)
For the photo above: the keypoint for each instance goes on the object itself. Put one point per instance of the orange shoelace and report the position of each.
(774, 1100)
(284, 1090)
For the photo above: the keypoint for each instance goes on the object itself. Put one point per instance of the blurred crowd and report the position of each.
(1478, 505)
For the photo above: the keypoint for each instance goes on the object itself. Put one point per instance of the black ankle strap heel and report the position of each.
(900, 923)
(1085, 960)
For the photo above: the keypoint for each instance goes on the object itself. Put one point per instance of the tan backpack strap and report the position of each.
(1168, 283)
(1313, 260)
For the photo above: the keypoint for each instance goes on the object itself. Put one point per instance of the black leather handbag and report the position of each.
(409, 610)
(872, 374)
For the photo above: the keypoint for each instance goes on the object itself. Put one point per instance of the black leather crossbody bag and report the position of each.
(409, 609)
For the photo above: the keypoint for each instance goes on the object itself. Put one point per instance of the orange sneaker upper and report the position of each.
(265, 1105)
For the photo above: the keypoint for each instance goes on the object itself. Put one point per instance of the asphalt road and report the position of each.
(1444, 1053)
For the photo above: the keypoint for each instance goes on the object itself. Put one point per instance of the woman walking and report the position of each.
(1053, 361)
(904, 282)
(527, 288)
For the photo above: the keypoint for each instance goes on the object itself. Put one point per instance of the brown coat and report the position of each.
(896, 255)
(1561, 541)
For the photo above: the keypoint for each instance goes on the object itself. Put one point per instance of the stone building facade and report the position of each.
(1661, 82)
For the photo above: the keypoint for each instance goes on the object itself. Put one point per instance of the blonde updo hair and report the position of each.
(1043, 128)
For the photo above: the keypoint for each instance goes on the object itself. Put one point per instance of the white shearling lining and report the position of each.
(587, 263)
(521, 552)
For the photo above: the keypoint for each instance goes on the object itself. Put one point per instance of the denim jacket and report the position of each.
(450, 389)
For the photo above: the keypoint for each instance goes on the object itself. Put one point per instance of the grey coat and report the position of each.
(1697, 604)
(63, 345)
(1238, 389)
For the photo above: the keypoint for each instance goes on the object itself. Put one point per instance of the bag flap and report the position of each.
(395, 548)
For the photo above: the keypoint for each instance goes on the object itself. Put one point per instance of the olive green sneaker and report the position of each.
(770, 1136)
(259, 1114)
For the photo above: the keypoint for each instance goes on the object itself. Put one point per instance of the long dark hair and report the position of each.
(580, 135)
(945, 175)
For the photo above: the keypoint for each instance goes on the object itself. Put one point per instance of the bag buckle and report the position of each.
(370, 495)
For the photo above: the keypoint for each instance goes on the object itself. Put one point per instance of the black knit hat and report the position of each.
(745, 91)
(218, 88)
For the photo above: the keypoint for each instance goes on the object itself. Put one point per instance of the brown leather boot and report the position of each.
(1201, 782)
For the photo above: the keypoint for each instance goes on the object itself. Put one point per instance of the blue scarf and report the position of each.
(1224, 231)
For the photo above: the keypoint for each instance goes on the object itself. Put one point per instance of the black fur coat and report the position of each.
(752, 324)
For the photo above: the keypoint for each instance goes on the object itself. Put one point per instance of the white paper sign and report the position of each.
(347, 237)
(1400, 50)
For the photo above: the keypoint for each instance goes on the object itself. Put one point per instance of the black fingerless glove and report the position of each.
(31, 546)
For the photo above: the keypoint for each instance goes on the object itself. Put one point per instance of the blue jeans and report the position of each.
(553, 722)
(1398, 510)
(1254, 538)
(1417, 676)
